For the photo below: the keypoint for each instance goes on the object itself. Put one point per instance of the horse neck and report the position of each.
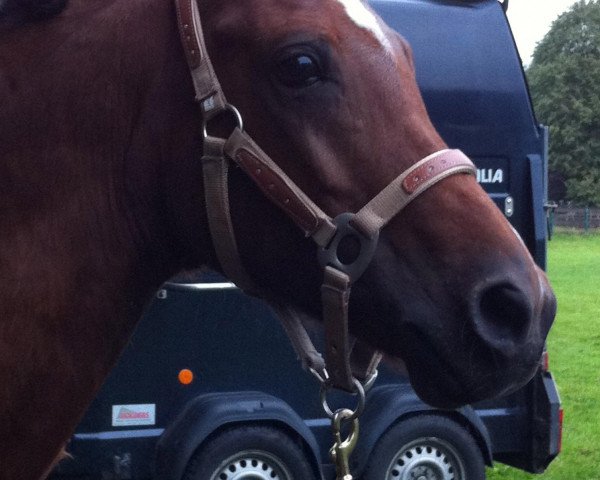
(101, 181)
(162, 193)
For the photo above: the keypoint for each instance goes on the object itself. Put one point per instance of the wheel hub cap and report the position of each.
(427, 459)
(248, 466)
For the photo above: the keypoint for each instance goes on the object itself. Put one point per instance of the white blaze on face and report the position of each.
(364, 18)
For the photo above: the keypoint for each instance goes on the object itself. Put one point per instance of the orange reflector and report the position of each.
(186, 376)
(545, 361)
(561, 417)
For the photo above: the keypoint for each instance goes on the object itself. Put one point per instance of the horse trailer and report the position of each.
(229, 400)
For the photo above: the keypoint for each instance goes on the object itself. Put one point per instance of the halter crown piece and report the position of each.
(343, 362)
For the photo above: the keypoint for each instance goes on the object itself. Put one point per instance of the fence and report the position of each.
(584, 218)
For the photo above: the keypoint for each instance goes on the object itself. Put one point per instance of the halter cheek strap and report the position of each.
(206, 84)
(344, 359)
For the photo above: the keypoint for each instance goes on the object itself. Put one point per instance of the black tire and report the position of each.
(426, 447)
(250, 452)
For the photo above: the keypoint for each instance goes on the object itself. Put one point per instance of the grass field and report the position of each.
(574, 348)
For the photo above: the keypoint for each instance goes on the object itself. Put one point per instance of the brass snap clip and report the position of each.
(342, 449)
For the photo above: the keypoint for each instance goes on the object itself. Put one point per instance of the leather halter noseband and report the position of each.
(328, 233)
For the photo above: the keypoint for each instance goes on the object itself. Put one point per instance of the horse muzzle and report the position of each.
(497, 350)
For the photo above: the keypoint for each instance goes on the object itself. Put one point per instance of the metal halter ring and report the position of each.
(360, 391)
(228, 108)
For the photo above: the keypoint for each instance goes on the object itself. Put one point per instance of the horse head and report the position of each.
(331, 96)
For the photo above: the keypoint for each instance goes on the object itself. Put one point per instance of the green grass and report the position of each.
(574, 349)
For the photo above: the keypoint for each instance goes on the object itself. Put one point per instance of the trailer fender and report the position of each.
(208, 413)
(389, 404)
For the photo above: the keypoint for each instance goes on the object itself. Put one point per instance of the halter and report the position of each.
(342, 364)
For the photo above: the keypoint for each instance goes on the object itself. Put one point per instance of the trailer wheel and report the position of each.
(426, 447)
(250, 452)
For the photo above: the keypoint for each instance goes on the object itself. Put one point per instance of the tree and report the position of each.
(564, 79)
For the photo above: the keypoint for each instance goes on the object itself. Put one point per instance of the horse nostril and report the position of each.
(502, 315)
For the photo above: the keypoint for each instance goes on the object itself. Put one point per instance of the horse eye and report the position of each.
(298, 70)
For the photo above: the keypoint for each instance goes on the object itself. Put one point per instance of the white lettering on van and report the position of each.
(490, 175)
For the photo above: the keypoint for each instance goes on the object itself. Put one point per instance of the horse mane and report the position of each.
(23, 11)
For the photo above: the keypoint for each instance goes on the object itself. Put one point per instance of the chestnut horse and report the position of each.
(101, 199)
